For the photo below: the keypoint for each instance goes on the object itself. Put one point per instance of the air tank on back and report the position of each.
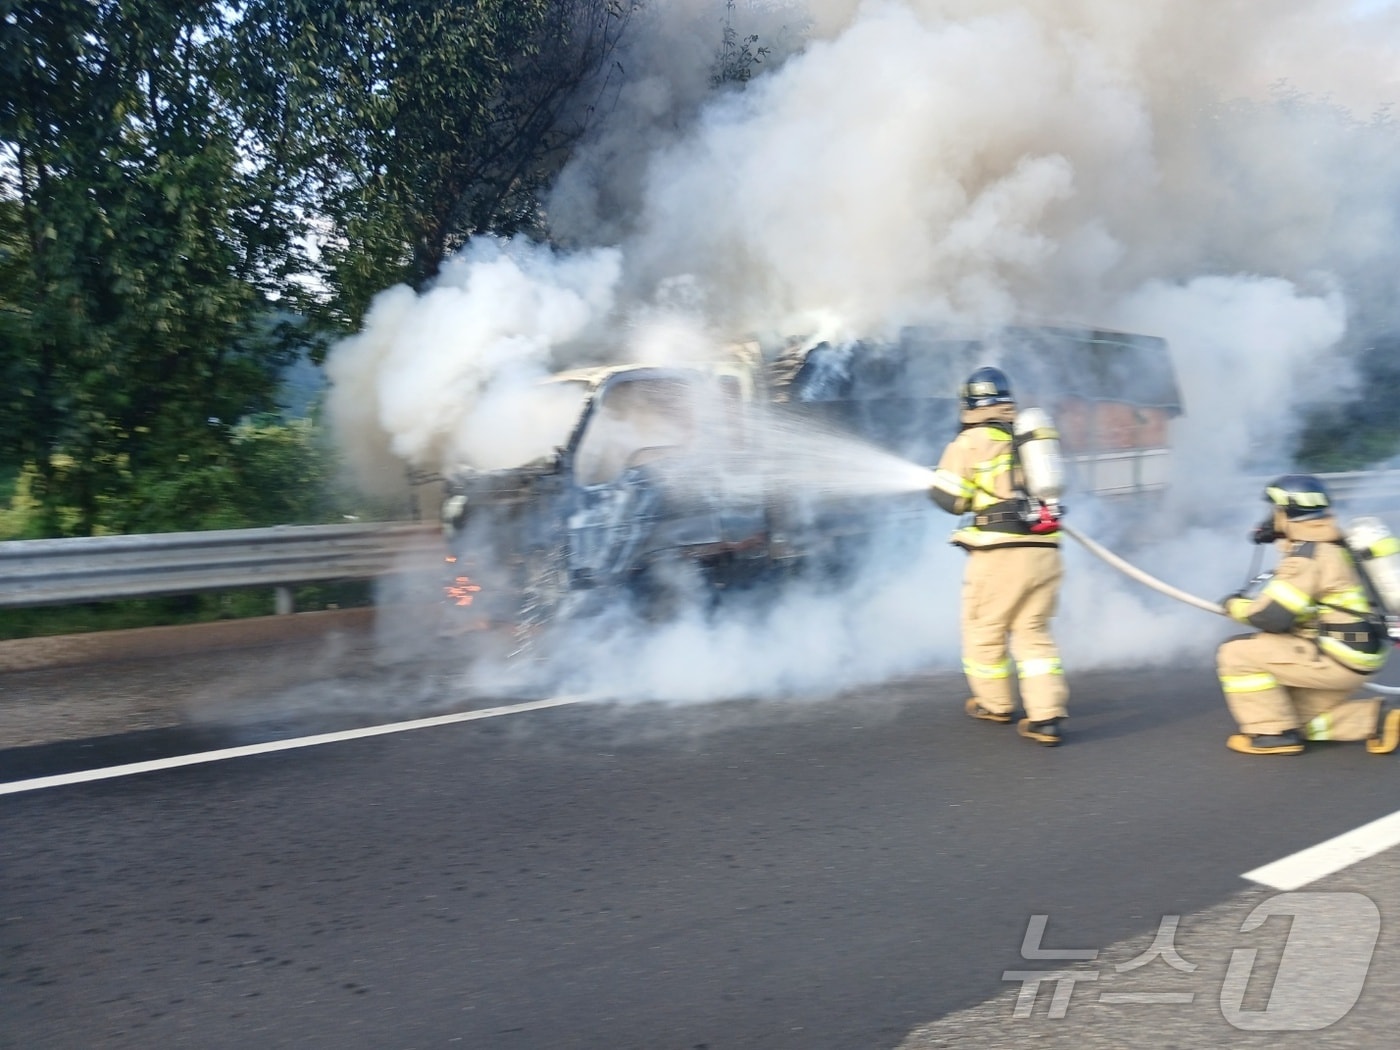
(1038, 445)
(1377, 553)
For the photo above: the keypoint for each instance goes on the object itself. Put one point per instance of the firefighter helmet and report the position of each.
(986, 386)
(1301, 497)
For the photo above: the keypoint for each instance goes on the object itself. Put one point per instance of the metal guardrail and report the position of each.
(1380, 485)
(103, 568)
(1129, 472)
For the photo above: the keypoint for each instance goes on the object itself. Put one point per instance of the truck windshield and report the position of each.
(634, 419)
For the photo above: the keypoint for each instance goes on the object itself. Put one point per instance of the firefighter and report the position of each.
(1013, 572)
(1319, 636)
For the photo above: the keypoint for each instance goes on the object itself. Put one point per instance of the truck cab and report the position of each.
(654, 477)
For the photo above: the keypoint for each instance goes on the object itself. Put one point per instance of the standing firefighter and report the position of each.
(1320, 637)
(1013, 568)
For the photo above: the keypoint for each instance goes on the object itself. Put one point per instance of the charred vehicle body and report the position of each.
(680, 480)
(1112, 395)
(656, 476)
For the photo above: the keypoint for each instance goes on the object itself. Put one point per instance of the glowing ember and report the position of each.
(461, 591)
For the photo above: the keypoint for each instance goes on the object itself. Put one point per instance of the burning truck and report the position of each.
(679, 481)
(656, 490)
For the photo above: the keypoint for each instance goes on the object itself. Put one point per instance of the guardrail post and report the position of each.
(285, 602)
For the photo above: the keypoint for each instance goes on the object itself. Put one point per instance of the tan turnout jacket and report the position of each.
(977, 476)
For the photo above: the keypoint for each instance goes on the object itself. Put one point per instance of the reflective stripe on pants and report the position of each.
(1277, 682)
(1008, 600)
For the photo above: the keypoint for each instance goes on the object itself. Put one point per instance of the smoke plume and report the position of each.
(1220, 173)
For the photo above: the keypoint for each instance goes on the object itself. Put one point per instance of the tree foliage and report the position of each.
(1361, 432)
(429, 122)
(285, 463)
(164, 165)
(142, 246)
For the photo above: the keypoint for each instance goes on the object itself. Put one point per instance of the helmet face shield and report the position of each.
(985, 387)
(1301, 497)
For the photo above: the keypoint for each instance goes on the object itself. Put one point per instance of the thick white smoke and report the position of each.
(435, 376)
(817, 639)
(1216, 172)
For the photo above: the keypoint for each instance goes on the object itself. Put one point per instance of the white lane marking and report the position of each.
(1327, 858)
(132, 768)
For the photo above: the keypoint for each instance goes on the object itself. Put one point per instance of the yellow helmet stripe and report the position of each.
(1284, 498)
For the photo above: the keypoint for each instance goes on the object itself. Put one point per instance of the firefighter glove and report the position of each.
(1264, 532)
(1236, 606)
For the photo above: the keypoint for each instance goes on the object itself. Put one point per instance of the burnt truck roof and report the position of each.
(737, 362)
(1045, 363)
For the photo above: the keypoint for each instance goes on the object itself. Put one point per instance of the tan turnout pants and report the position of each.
(1277, 682)
(1010, 593)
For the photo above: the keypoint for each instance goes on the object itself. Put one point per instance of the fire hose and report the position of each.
(1137, 574)
(1149, 580)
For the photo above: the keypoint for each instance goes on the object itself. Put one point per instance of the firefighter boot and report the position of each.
(976, 710)
(1387, 737)
(1046, 732)
(1286, 743)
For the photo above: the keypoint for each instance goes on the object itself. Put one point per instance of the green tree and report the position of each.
(1363, 431)
(14, 321)
(270, 472)
(144, 233)
(159, 160)
(424, 122)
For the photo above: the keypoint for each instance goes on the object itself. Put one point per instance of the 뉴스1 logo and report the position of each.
(1325, 961)
(1326, 956)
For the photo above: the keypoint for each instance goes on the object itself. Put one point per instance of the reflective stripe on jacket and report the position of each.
(1316, 593)
(977, 475)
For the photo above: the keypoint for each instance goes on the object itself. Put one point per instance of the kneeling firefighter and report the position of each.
(1320, 636)
(1013, 573)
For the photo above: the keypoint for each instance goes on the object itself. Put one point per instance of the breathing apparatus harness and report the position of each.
(1025, 513)
(1006, 514)
(1376, 555)
(1035, 449)
(1364, 632)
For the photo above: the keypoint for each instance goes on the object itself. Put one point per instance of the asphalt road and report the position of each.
(851, 873)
